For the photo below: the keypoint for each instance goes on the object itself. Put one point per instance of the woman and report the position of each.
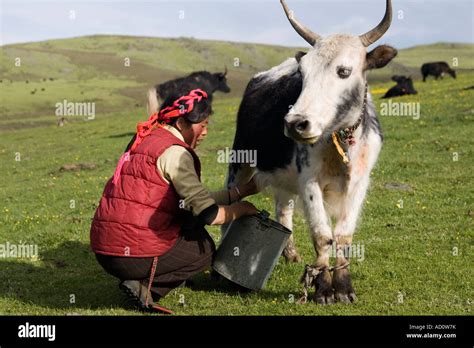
(148, 230)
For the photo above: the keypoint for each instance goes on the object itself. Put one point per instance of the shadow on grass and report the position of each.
(67, 277)
(203, 282)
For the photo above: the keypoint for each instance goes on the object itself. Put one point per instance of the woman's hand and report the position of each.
(245, 208)
(241, 191)
(250, 188)
(228, 213)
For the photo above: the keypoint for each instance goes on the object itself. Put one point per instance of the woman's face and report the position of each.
(193, 133)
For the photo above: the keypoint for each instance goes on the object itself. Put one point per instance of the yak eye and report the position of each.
(344, 72)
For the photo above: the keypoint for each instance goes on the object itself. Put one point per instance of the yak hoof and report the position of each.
(346, 298)
(324, 292)
(343, 289)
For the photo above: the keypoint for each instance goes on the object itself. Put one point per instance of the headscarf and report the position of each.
(159, 119)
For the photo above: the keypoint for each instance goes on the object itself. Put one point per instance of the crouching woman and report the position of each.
(148, 230)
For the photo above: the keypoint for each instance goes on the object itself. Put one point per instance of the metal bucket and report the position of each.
(250, 249)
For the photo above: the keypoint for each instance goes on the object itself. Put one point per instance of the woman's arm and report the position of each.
(241, 191)
(228, 213)
(234, 194)
(223, 214)
(177, 166)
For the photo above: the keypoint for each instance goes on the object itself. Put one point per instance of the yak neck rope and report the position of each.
(346, 135)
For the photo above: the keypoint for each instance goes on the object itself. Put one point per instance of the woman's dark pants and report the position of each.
(191, 254)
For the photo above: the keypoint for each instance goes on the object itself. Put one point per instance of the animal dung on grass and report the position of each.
(398, 186)
(77, 167)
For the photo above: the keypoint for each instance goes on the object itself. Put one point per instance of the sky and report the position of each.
(259, 21)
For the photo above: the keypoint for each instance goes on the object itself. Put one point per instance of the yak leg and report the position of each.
(343, 231)
(284, 207)
(321, 236)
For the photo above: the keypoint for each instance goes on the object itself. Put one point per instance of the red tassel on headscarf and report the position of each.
(158, 119)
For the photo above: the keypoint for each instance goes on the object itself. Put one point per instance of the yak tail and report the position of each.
(153, 102)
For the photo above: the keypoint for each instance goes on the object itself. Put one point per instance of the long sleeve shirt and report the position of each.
(176, 166)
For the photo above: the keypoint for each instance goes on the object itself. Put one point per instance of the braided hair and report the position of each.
(194, 107)
(202, 109)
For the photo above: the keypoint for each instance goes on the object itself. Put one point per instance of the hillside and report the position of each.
(93, 68)
(409, 60)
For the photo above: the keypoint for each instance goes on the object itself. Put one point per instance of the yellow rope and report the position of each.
(339, 148)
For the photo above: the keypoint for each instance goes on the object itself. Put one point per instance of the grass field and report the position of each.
(418, 243)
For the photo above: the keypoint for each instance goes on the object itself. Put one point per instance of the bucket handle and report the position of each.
(263, 214)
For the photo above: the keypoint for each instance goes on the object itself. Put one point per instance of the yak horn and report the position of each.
(371, 36)
(304, 32)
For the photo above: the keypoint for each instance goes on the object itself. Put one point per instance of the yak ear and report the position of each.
(379, 57)
(299, 55)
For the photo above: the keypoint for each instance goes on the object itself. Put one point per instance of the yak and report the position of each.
(204, 80)
(436, 69)
(404, 86)
(313, 123)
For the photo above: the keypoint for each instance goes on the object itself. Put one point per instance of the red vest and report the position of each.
(140, 215)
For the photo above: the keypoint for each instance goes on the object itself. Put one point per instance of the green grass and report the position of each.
(407, 251)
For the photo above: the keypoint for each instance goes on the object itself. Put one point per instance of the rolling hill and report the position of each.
(94, 68)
